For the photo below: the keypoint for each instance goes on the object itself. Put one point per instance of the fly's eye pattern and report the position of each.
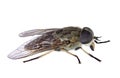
(86, 35)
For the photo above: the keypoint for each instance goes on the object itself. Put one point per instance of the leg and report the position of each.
(77, 48)
(37, 57)
(91, 55)
(102, 41)
(72, 55)
(97, 39)
(92, 46)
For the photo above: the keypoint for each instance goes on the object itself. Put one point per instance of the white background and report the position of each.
(103, 16)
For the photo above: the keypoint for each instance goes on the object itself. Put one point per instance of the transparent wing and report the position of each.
(20, 52)
(36, 32)
(33, 46)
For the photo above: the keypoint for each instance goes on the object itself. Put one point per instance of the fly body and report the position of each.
(58, 39)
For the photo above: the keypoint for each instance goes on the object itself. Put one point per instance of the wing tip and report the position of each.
(21, 35)
(19, 54)
(11, 57)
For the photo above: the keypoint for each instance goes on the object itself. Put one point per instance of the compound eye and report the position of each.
(86, 35)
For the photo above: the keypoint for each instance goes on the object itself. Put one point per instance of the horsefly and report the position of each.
(58, 39)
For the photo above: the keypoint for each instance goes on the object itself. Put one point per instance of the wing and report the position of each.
(36, 32)
(20, 52)
(39, 44)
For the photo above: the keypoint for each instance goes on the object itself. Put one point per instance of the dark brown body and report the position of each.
(55, 39)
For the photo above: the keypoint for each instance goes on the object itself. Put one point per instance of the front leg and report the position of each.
(88, 53)
(72, 55)
(97, 41)
(77, 48)
(92, 46)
